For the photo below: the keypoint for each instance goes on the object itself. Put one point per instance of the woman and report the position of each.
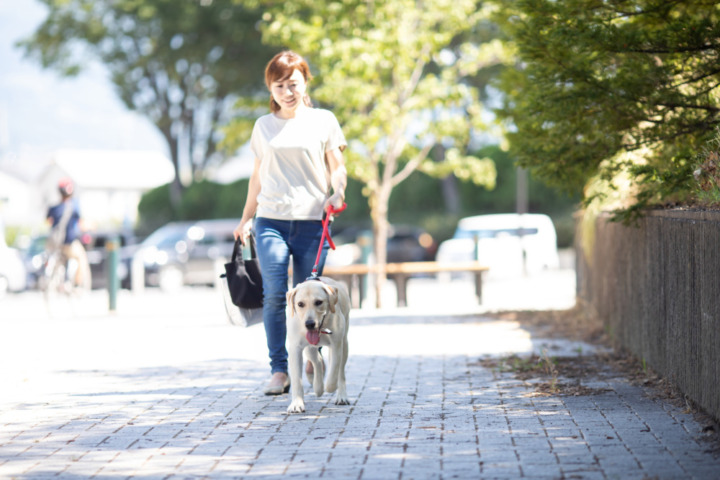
(298, 158)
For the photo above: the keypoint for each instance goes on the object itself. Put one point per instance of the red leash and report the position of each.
(325, 235)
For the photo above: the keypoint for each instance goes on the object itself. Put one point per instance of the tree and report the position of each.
(396, 75)
(181, 64)
(603, 87)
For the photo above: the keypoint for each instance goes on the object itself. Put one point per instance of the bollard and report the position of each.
(112, 247)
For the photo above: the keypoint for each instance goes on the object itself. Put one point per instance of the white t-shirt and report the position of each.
(294, 177)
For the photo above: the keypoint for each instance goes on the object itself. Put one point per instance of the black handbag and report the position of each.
(243, 277)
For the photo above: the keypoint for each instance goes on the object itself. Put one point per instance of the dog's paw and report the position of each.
(296, 406)
(331, 385)
(342, 400)
(318, 389)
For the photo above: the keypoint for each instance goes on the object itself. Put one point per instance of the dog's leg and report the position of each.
(295, 362)
(334, 356)
(318, 375)
(341, 397)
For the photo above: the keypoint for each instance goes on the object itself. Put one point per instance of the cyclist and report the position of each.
(65, 232)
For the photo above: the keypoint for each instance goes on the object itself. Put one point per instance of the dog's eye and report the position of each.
(318, 303)
(301, 304)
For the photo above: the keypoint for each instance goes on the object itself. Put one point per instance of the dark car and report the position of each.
(406, 243)
(187, 253)
(98, 255)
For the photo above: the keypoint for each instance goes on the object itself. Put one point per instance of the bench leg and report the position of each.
(401, 287)
(361, 289)
(478, 286)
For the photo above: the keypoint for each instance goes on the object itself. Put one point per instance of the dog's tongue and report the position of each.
(313, 336)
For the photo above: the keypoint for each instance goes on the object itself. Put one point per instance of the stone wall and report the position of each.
(656, 287)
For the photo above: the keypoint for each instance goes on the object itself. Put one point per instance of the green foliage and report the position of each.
(419, 200)
(180, 64)
(13, 233)
(154, 210)
(595, 79)
(202, 200)
(425, 193)
(706, 172)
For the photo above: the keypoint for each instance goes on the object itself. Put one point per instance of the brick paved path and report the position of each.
(147, 396)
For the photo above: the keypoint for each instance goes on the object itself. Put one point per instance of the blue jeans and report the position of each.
(277, 240)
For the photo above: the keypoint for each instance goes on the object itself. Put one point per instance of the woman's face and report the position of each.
(289, 93)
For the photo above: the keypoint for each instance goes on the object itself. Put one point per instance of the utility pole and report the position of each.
(521, 207)
(521, 191)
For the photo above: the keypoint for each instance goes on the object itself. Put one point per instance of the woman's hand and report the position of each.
(243, 230)
(338, 178)
(336, 201)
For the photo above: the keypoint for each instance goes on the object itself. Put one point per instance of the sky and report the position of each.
(41, 112)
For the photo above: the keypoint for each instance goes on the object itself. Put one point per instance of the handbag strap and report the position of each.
(253, 252)
(237, 251)
(237, 254)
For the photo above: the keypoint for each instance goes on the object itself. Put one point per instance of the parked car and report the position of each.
(406, 243)
(187, 253)
(97, 252)
(508, 243)
(13, 276)
(34, 259)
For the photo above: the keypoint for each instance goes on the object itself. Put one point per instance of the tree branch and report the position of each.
(656, 51)
(412, 165)
(414, 77)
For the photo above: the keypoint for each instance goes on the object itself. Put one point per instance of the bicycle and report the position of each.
(59, 279)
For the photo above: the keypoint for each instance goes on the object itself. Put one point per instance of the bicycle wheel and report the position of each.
(53, 285)
(77, 283)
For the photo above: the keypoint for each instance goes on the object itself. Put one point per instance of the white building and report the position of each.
(109, 185)
(16, 200)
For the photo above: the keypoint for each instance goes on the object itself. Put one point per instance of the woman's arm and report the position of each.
(338, 177)
(251, 204)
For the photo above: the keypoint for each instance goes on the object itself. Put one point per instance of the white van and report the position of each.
(510, 244)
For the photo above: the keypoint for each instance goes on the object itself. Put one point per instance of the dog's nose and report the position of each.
(310, 324)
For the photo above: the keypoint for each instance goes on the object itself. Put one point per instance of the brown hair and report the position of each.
(281, 67)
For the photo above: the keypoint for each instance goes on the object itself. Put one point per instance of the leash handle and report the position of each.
(326, 226)
(332, 209)
(326, 235)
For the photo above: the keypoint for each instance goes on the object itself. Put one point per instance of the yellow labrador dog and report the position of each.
(317, 316)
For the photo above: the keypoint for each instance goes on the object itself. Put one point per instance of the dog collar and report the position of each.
(322, 322)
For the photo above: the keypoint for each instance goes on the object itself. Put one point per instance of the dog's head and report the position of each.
(310, 303)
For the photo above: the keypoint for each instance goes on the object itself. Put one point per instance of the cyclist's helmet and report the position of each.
(66, 187)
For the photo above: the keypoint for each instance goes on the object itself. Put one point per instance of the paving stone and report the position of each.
(191, 406)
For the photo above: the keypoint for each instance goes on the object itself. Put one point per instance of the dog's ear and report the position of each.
(332, 297)
(291, 300)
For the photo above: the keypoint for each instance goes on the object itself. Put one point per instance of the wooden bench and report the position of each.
(401, 273)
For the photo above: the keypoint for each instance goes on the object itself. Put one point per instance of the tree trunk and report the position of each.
(379, 214)
(448, 185)
(176, 192)
(176, 187)
(451, 194)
